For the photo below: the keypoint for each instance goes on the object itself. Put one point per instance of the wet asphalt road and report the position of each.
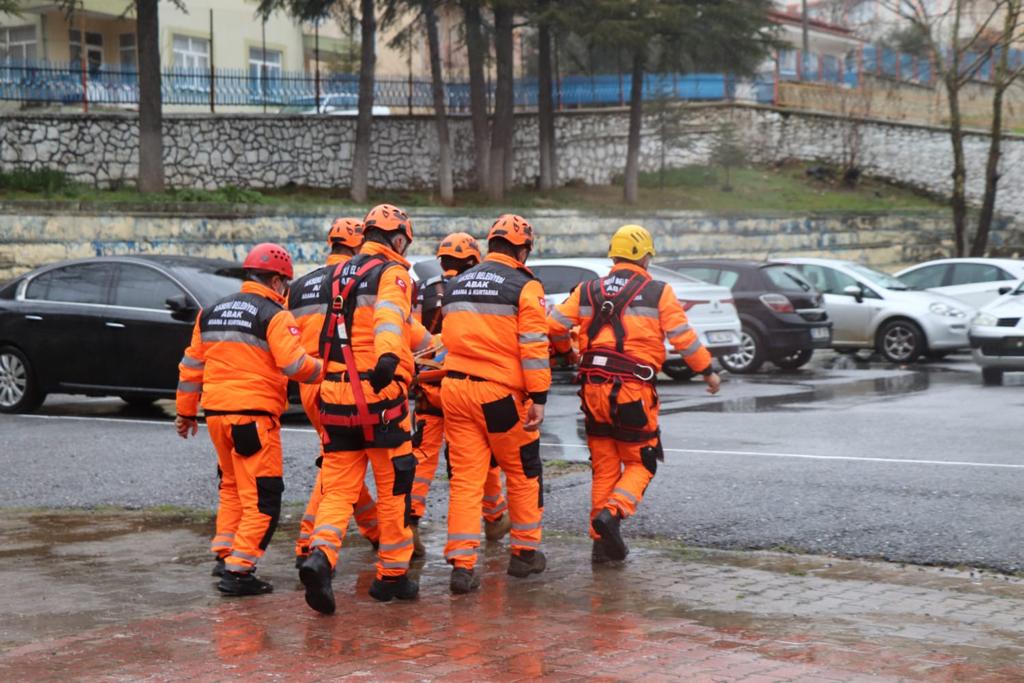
(856, 459)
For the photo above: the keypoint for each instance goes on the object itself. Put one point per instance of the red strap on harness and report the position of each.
(383, 417)
(338, 299)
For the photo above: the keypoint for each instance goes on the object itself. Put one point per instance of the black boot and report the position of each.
(299, 560)
(401, 587)
(598, 554)
(218, 567)
(606, 524)
(315, 574)
(464, 580)
(526, 562)
(237, 584)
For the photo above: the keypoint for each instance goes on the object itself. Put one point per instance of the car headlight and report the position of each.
(939, 308)
(985, 320)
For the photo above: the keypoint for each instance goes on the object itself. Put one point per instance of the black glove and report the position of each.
(384, 373)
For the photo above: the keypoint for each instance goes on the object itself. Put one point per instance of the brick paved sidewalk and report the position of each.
(78, 611)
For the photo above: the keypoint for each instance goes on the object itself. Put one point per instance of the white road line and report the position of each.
(806, 456)
(695, 451)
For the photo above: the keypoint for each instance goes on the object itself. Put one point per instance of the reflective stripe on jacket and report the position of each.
(494, 326)
(654, 315)
(244, 349)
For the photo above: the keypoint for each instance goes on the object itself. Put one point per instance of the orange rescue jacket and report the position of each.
(244, 348)
(651, 317)
(494, 326)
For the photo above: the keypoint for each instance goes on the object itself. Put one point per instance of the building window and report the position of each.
(126, 47)
(93, 48)
(18, 44)
(787, 61)
(264, 69)
(191, 53)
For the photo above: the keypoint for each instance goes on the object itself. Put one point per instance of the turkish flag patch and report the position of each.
(401, 283)
(294, 331)
(543, 302)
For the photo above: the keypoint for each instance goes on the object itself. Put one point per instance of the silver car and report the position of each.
(872, 310)
(997, 336)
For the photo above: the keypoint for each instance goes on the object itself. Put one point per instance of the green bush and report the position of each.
(224, 195)
(42, 180)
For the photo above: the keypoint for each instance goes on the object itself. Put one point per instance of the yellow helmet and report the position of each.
(631, 242)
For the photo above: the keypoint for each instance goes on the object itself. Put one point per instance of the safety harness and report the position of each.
(602, 365)
(335, 336)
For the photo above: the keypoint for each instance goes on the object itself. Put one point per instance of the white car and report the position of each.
(872, 310)
(997, 336)
(332, 104)
(710, 308)
(975, 281)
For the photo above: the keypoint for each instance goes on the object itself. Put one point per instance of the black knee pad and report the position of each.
(650, 455)
(268, 501)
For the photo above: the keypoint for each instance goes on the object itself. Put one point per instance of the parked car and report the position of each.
(108, 326)
(975, 281)
(331, 104)
(997, 336)
(782, 315)
(709, 307)
(872, 310)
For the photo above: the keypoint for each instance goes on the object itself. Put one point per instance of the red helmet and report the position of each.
(388, 218)
(459, 245)
(347, 231)
(271, 258)
(513, 228)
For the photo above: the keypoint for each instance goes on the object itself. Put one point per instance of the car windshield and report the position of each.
(876, 277)
(784, 277)
(666, 275)
(210, 283)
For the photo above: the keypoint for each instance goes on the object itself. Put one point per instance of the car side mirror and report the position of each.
(855, 291)
(180, 307)
(1005, 290)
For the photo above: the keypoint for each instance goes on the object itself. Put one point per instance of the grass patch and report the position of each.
(785, 188)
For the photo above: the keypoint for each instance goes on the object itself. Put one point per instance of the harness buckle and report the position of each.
(339, 303)
(607, 307)
(384, 421)
(644, 373)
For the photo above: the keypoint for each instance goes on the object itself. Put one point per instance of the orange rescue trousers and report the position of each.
(365, 511)
(485, 419)
(346, 456)
(622, 469)
(250, 469)
(427, 442)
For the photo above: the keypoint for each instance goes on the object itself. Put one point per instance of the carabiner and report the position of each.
(647, 376)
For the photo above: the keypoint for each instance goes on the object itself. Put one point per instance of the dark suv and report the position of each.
(783, 315)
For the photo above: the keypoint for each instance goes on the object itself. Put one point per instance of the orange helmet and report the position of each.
(346, 231)
(388, 218)
(459, 245)
(513, 228)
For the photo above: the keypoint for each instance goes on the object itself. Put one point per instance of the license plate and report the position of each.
(819, 333)
(721, 337)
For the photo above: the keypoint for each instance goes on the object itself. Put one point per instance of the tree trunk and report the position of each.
(504, 120)
(545, 104)
(958, 201)
(476, 47)
(151, 144)
(440, 113)
(1002, 82)
(364, 122)
(636, 100)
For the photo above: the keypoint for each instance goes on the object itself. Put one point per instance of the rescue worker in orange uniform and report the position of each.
(457, 252)
(306, 304)
(244, 349)
(623, 320)
(364, 412)
(493, 394)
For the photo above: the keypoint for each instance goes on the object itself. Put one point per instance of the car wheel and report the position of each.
(680, 373)
(794, 361)
(140, 400)
(992, 377)
(901, 341)
(19, 392)
(750, 356)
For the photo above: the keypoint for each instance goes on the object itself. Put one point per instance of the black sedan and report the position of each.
(107, 326)
(783, 315)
